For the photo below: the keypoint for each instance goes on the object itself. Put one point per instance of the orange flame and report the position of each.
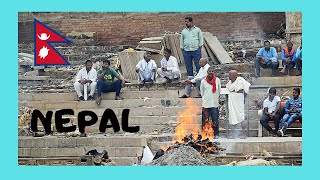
(187, 121)
(207, 131)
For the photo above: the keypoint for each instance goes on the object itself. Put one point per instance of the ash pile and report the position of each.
(189, 152)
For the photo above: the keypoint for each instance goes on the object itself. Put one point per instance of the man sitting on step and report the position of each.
(169, 67)
(293, 111)
(288, 55)
(146, 69)
(267, 57)
(298, 59)
(86, 81)
(271, 111)
(106, 82)
(203, 71)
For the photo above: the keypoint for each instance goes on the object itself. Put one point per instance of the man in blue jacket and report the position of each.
(293, 111)
(267, 57)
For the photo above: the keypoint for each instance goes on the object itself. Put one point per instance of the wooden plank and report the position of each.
(204, 53)
(180, 53)
(216, 47)
(213, 58)
(33, 78)
(128, 61)
(153, 39)
(151, 44)
(148, 49)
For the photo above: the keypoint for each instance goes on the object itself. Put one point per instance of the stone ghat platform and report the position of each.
(126, 150)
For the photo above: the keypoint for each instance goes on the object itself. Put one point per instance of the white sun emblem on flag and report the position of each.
(43, 53)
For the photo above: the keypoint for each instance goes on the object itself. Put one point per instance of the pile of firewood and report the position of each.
(204, 147)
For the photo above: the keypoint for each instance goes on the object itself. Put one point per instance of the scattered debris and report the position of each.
(147, 156)
(101, 159)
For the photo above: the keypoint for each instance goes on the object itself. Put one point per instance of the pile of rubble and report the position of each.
(100, 159)
(182, 156)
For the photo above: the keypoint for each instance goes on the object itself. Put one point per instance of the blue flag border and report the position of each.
(67, 41)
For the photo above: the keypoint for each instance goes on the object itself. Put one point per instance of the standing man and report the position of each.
(299, 59)
(86, 80)
(106, 82)
(203, 72)
(238, 88)
(293, 111)
(267, 57)
(169, 67)
(271, 107)
(288, 56)
(191, 41)
(210, 91)
(146, 69)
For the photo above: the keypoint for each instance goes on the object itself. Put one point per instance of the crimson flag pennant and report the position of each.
(44, 52)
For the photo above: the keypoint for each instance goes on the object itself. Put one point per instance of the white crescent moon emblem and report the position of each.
(43, 36)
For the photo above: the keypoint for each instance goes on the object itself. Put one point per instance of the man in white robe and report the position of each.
(238, 88)
(169, 67)
(146, 69)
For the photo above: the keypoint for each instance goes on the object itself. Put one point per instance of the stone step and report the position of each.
(80, 151)
(150, 119)
(268, 72)
(59, 142)
(286, 80)
(105, 96)
(143, 111)
(125, 103)
(254, 145)
(125, 161)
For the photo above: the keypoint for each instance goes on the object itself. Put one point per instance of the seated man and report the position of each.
(146, 69)
(86, 80)
(298, 60)
(271, 107)
(293, 111)
(288, 55)
(204, 66)
(169, 67)
(267, 57)
(106, 82)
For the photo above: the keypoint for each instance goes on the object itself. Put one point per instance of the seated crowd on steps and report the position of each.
(207, 84)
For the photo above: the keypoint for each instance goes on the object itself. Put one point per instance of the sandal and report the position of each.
(199, 96)
(185, 96)
(98, 101)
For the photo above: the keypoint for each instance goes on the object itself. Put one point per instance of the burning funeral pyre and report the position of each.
(189, 134)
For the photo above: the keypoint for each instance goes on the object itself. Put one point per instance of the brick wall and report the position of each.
(130, 28)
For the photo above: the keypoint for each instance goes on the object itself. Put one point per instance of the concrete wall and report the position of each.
(130, 28)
